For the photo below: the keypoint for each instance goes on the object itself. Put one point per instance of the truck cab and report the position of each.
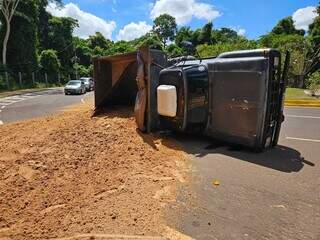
(236, 97)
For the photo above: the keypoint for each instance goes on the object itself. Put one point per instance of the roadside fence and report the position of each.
(10, 80)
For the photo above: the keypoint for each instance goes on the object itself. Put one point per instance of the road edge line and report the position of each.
(303, 139)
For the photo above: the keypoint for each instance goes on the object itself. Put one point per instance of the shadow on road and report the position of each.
(280, 158)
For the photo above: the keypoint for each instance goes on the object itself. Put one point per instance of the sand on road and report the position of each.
(72, 174)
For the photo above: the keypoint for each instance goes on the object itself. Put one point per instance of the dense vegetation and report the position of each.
(40, 44)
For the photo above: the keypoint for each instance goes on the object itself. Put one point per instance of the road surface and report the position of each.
(272, 195)
(37, 104)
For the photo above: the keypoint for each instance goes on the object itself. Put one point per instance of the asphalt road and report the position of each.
(38, 104)
(271, 195)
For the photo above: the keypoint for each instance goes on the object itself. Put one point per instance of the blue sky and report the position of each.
(252, 18)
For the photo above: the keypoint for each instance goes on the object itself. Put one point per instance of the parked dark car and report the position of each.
(88, 81)
(75, 87)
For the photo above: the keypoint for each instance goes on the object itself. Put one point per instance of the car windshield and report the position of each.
(72, 83)
(85, 79)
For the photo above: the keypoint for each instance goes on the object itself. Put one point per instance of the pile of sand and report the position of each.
(74, 174)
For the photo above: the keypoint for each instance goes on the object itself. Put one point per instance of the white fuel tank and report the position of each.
(167, 100)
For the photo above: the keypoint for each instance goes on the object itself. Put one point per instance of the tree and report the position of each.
(151, 40)
(121, 47)
(174, 51)
(314, 81)
(22, 54)
(49, 61)
(98, 40)
(82, 71)
(195, 37)
(43, 24)
(286, 26)
(206, 50)
(225, 35)
(60, 39)
(314, 29)
(83, 51)
(205, 35)
(8, 9)
(183, 34)
(165, 27)
(314, 34)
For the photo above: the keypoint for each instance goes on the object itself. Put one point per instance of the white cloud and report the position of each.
(184, 10)
(241, 32)
(133, 31)
(303, 17)
(88, 23)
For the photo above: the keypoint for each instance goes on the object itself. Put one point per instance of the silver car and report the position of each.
(75, 87)
(88, 81)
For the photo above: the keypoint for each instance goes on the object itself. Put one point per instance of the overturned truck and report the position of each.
(236, 97)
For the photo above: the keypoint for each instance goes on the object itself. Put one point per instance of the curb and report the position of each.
(302, 103)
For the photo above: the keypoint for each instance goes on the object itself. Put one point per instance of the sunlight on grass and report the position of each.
(298, 94)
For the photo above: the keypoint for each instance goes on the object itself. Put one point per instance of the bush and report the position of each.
(83, 71)
(174, 51)
(216, 49)
(40, 85)
(49, 61)
(314, 81)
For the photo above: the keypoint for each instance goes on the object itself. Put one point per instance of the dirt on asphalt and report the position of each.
(74, 176)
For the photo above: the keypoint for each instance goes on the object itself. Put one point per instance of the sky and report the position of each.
(130, 19)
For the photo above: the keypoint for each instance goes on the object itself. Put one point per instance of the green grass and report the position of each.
(298, 94)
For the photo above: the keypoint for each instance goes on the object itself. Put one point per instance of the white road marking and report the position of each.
(18, 98)
(3, 107)
(82, 100)
(1, 123)
(14, 98)
(303, 139)
(5, 103)
(298, 116)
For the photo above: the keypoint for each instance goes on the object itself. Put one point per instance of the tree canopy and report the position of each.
(41, 42)
(49, 61)
(286, 26)
(165, 27)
